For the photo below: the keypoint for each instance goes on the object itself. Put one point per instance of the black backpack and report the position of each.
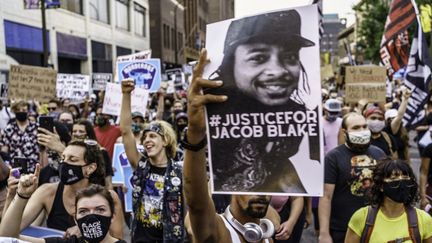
(412, 225)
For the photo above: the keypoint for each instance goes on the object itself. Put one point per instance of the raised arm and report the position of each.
(424, 170)
(396, 122)
(131, 150)
(202, 213)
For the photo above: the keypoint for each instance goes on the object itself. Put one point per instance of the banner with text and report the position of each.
(30, 82)
(365, 82)
(146, 73)
(113, 99)
(73, 86)
(99, 80)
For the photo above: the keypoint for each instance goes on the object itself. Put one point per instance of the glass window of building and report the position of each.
(99, 10)
(72, 5)
(122, 14)
(140, 19)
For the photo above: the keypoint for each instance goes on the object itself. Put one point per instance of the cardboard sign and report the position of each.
(29, 82)
(327, 72)
(73, 86)
(99, 80)
(123, 172)
(365, 82)
(113, 99)
(146, 73)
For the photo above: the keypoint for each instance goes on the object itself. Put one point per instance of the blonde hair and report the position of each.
(168, 135)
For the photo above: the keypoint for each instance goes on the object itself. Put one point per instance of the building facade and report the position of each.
(332, 25)
(84, 36)
(220, 10)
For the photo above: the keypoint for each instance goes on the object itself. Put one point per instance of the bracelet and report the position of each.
(22, 197)
(193, 147)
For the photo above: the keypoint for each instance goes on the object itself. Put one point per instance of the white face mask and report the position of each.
(376, 126)
(359, 137)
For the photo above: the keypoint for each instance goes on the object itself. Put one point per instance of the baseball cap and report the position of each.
(333, 105)
(373, 110)
(390, 114)
(282, 26)
(137, 114)
(181, 115)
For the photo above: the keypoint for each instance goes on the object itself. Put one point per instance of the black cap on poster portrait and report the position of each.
(283, 26)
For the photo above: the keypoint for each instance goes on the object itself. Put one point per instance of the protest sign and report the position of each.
(327, 72)
(99, 80)
(143, 55)
(3, 84)
(177, 72)
(365, 82)
(146, 73)
(73, 86)
(123, 172)
(266, 138)
(113, 99)
(30, 82)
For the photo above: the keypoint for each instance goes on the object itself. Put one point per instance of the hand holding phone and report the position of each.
(20, 163)
(47, 122)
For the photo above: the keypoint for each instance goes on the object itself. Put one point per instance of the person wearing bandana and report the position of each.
(94, 207)
(347, 178)
(157, 178)
(392, 197)
(81, 166)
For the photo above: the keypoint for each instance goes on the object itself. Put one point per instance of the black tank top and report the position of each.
(59, 218)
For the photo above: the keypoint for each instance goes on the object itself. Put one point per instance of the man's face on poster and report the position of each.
(267, 72)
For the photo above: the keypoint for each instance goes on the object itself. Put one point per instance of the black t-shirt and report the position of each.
(72, 239)
(108, 165)
(351, 173)
(427, 152)
(382, 143)
(149, 217)
(48, 174)
(400, 144)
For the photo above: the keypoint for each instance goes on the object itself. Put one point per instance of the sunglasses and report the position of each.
(51, 108)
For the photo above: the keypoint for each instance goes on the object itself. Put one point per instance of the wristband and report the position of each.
(22, 197)
(193, 147)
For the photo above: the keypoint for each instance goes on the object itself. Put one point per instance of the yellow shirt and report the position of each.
(388, 229)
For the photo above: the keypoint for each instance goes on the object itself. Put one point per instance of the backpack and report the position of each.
(413, 229)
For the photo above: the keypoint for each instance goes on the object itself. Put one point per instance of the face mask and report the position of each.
(21, 116)
(94, 227)
(136, 128)
(101, 121)
(358, 141)
(181, 127)
(331, 118)
(69, 127)
(376, 126)
(70, 174)
(398, 191)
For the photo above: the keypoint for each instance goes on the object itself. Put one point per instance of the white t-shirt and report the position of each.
(331, 131)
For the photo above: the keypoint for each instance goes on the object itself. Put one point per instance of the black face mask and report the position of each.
(21, 116)
(94, 227)
(181, 127)
(101, 121)
(70, 174)
(398, 191)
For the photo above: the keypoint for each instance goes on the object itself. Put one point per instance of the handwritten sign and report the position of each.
(113, 99)
(73, 86)
(99, 80)
(29, 82)
(365, 82)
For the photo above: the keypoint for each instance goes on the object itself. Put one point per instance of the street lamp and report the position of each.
(176, 6)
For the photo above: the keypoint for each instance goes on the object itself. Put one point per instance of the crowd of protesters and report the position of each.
(370, 191)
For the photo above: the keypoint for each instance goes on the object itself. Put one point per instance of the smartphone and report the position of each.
(47, 122)
(20, 163)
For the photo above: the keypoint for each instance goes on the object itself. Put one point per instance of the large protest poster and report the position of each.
(32, 83)
(365, 82)
(73, 86)
(113, 99)
(123, 172)
(266, 138)
(146, 73)
(99, 80)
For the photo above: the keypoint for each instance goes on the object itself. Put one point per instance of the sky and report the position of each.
(341, 7)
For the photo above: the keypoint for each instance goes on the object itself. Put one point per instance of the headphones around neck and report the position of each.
(251, 231)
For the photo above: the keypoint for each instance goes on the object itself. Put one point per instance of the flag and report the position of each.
(417, 79)
(395, 41)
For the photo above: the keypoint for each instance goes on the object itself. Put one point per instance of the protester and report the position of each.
(347, 177)
(375, 120)
(19, 138)
(106, 133)
(426, 177)
(94, 207)
(292, 216)
(5, 115)
(331, 123)
(202, 221)
(157, 180)
(4, 174)
(393, 193)
(54, 108)
(81, 167)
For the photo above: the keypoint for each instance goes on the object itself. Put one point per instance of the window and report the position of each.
(173, 40)
(166, 34)
(72, 5)
(140, 18)
(102, 57)
(99, 10)
(122, 14)
(179, 41)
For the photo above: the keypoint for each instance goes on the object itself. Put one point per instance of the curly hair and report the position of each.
(384, 170)
(93, 154)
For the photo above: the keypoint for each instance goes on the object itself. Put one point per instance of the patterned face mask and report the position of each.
(360, 137)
